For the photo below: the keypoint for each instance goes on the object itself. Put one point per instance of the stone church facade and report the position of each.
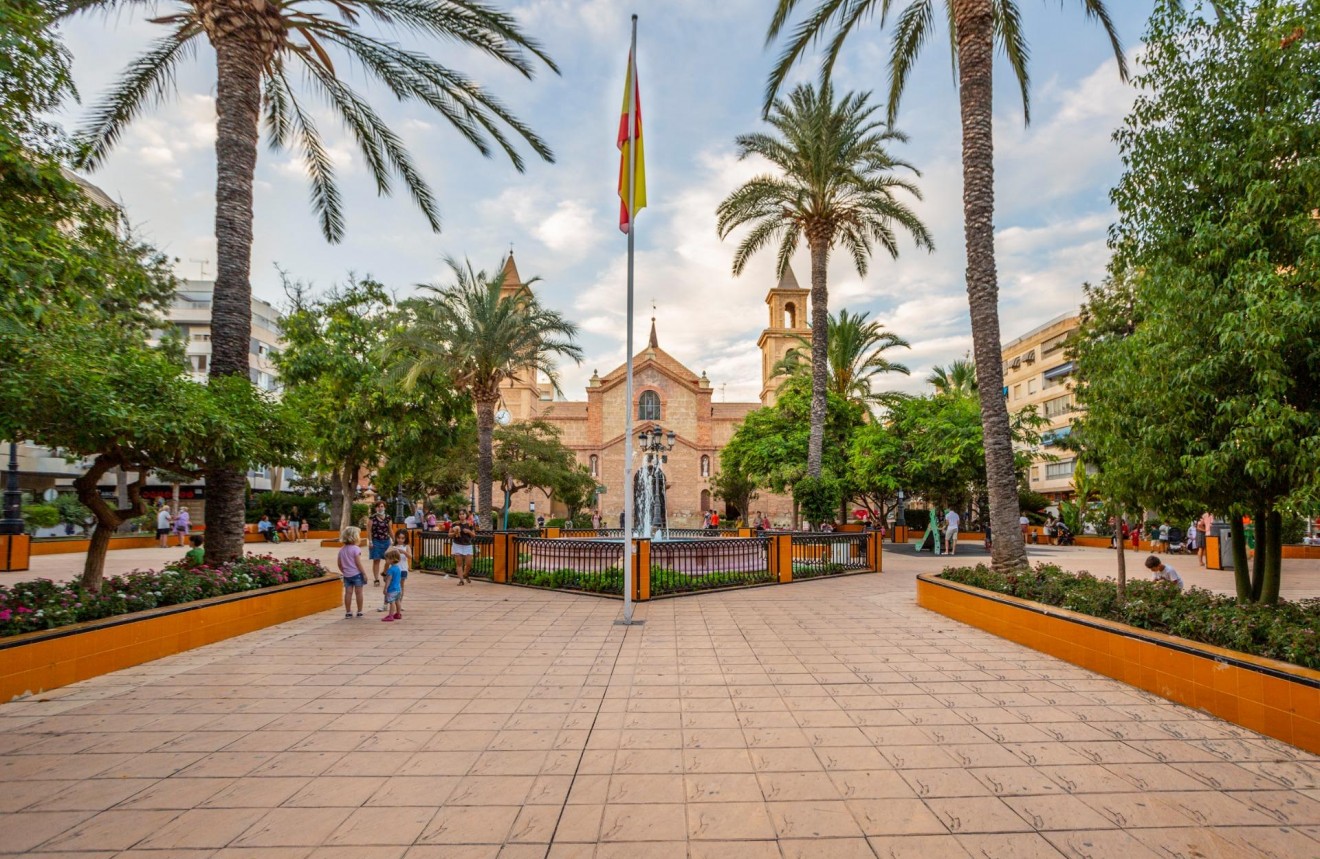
(667, 395)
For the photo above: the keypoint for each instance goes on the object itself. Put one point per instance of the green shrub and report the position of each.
(436, 562)
(276, 504)
(521, 519)
(1287, 632)
(40, 516)
(817, 498)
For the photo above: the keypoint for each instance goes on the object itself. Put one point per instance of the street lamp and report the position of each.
(13, 520)
(657, 443)
(398, 505)
(898, 517)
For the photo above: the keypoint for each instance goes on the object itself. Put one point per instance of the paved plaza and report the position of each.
(830, 718)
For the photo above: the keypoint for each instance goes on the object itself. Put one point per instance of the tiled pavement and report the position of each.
(822, 719)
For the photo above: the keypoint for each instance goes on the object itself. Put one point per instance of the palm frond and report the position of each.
(148, 80)
(1008, 31)
(911, 31)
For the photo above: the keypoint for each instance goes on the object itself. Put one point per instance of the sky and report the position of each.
(702, 68)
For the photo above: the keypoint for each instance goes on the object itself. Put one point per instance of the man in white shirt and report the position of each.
(951, 521)
(163, 526)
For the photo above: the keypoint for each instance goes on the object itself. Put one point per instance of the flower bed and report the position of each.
(1286, 632)
(42, 604)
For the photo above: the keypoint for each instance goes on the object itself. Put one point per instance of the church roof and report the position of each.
(512, 280)
(653, 354)
(787, 280)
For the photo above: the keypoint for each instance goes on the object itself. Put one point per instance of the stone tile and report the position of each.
(256, 792)
(894, 817)
(813, 819)
(827, 848)
(382, 825)
(113, 830)
(864, 784)
(202, 828)
(93, 795)
(732, 850)
(722, 787)
(341, 791)
(644, 823)
(1139, 810)
(977, 814)
(1057, 812)
(917, 847)
(729, 821)
(26, 830)
(1009, 846)
(931, 783)
(479, 825)
(795, 786)
(292, 827)
(647, 788)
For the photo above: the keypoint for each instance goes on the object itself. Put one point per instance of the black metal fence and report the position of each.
(588, 565)
(694, 565)
(828, 554)
(437, 553)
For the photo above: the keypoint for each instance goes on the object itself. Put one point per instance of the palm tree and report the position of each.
(479, 339)
(258, 44)
(975, 28)
(957, 378)
(835, 186)
(856, 354)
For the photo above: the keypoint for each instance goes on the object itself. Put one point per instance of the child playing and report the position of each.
(195, 556)
(1163, 572)
(304, 527)
(351, 569)
(393, 584)
(405, 557)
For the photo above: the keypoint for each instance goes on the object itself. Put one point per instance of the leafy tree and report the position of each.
(576, 490)
(529, 455)
(736, 488)
(257, 47)
(856, 354)
(957, 378)
(1198, 360)
(975, 27)
(835, 185)
(477, 339)
(357, 412)
(876, 467)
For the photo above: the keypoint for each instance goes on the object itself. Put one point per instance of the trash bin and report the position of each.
(1225, 546)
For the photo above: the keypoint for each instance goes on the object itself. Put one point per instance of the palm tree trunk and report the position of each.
(485, 458)
(820, 327)
(238, 102)
(975, 25)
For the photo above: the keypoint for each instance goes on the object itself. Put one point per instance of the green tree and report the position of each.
(576, 490)
(856, 355)
(258, 47)
(478, 339)
(975, 27)
(957, 378)
(736, 488)
(1198, 359)
(530, 455)
(356, 412)
(835, 184)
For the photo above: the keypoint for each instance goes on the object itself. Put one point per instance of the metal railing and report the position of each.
(580, 565)
(437, 553)
(694, 565)
(700, 533)
(828, 554)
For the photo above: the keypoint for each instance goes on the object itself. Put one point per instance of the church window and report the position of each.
(648, 406)
(705, 466)
(790, 315)
(595, 465)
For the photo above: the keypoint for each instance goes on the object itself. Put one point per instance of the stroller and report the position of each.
(1178, 542)
(1063, 534)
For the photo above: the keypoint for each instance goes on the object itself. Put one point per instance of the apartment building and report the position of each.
(1038, 373)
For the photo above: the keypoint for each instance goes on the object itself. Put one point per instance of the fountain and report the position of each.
(650, 518)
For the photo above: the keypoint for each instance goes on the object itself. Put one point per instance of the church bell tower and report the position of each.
(788, 327)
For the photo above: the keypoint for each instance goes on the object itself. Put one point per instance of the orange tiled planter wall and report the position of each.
(38, 661)
(1273, 698)
(1309, 552)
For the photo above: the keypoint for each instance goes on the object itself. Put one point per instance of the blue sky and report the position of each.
(702, 67)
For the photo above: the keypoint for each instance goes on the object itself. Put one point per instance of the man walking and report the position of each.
(163, 526)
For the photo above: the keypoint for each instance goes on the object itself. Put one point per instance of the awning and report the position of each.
(1061, 370)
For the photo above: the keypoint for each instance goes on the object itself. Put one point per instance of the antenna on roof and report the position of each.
(201, 267)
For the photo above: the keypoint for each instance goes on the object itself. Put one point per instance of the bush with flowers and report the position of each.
(43, 604)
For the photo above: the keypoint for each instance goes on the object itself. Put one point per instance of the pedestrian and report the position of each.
(1024, 524)
(393, 584)
(621, 520)
(1049, 530)
(195, 556)
(987, 536)
(431, 521)
(1163, 572)
(1162, 538)
(282, 527)
(1203, 528)
(540, 521)
(714, 520)
(461, 536)
(1136, 536)
(304, 529)
(264, 528)
(951, 521)
(405, 561)
(351, 570)
(410, 521)
(163, 526)
(380, 540)
(182, 525)
(595, 521)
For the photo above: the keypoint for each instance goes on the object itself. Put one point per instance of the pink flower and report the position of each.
(5, 614)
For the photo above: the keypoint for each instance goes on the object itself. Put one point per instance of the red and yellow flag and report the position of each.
(626, 142)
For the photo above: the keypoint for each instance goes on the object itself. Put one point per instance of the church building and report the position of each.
(666, 395)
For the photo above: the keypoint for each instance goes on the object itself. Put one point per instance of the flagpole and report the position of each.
(628, 496)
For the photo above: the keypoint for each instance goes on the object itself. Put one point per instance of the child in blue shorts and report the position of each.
(393, 585)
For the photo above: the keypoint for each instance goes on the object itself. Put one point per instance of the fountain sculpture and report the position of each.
(650, 518)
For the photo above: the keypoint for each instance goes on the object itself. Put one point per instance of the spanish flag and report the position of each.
(625, 143)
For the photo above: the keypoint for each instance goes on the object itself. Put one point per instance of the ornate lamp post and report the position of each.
(399, 502)
(656, 443)
(13, 520)
(899, 520)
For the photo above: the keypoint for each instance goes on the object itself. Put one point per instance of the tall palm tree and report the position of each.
(957, 378)
(258, 44)
(835, 185)
(975, 26)
(481, 339)
(856, 355)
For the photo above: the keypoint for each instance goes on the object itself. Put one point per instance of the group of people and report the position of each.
(176, 524)
(289, 529)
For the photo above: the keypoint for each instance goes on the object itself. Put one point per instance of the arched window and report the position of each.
(705, 466)
(648, 406)
(705, 500)
(595, 465)
(790, 315)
